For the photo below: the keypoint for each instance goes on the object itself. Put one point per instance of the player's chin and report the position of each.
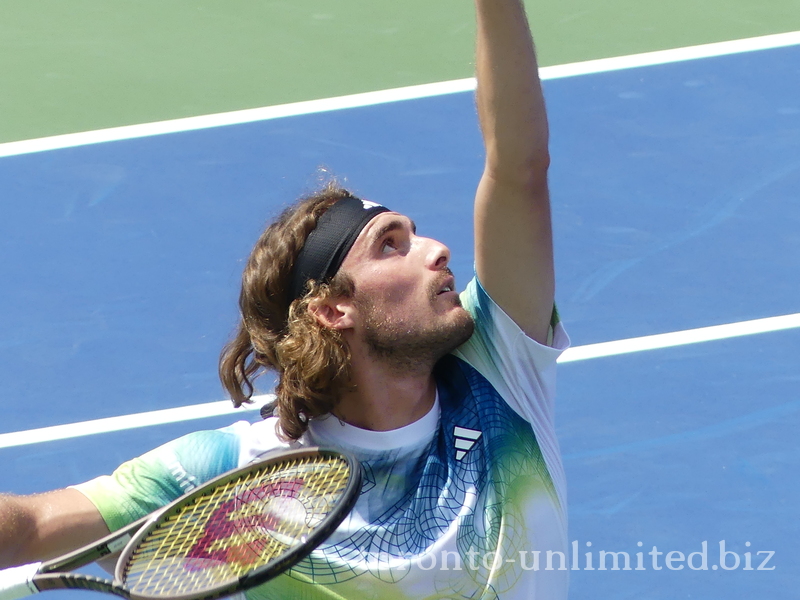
(462, 326)
(458, 315)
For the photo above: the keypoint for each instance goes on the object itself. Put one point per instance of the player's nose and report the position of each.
(437, 255)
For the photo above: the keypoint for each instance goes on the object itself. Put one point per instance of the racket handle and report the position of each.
(17, 582)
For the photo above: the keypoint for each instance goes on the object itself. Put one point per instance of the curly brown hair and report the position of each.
(312, 361)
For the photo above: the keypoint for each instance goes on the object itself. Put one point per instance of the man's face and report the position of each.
(408, 311)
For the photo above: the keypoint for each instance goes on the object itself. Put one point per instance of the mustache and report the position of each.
(437, 283)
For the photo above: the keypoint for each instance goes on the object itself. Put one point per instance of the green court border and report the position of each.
(80, 65)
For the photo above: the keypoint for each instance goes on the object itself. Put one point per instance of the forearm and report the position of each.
(17, 525)
(43, 526)
(509, 95)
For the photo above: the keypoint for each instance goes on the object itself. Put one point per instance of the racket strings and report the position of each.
(237, 527)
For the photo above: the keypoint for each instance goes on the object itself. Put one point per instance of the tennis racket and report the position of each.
(231, 534)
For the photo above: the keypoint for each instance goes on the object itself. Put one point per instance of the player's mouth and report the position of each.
(447, 286)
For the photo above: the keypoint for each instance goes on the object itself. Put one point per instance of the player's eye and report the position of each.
(388, 245)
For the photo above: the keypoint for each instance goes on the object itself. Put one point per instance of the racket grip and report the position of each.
(17, 582)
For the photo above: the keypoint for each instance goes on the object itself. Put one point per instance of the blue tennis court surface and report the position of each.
(675, 194)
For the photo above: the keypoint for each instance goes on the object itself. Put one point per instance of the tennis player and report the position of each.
(445, 398)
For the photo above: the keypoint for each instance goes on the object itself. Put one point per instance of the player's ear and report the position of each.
(334, 313)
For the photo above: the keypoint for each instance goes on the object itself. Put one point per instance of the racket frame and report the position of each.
(273, 568)
(53, 574)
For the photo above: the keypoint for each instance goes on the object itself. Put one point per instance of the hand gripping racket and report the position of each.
(231, 534)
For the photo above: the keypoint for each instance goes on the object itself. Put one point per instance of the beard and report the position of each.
(414, 346)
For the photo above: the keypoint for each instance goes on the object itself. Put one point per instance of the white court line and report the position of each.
(134, 421)
(413, 92)
(680, 338)
(223, 407)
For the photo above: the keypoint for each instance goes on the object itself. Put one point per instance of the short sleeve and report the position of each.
(140, 486)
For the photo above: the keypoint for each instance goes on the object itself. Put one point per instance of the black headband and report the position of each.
(330, 241)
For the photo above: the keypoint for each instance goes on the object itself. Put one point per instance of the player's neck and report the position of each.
(383, 400)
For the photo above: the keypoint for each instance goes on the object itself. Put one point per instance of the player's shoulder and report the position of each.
(254, 440)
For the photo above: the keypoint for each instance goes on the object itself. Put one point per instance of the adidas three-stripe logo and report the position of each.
(465, 440)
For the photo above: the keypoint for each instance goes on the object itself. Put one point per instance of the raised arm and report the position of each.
(513, 237)
(43, 526)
